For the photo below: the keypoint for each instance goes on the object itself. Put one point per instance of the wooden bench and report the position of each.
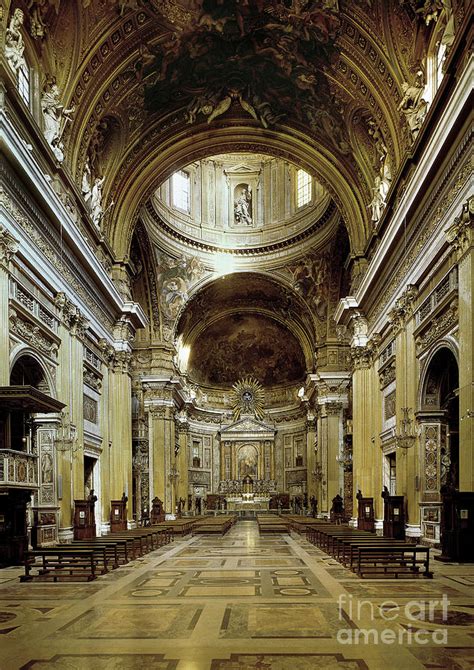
(178, 526)
(111, 549)
(270, 524)
(214, 525)
(392, 559)
(65, 563)
(367, 554)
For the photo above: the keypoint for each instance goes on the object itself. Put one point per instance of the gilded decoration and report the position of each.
(389, 405)
(361, 357)
(438, 327)
(460, 234)
(33, 334)
(247, 397)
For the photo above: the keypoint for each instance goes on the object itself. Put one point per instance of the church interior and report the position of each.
(236, 340)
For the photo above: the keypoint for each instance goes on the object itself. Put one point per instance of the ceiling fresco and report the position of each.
(267, 58)
(240, 345)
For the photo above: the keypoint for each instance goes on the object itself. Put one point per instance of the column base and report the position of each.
(353, 522)
(105, 528)
(413, 531)
(66, 535)
(379, 527)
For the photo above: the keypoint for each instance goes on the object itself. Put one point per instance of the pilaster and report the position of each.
(325, 473)
(311, 449)
(182, 428)
(400, 318)
(69, 437)
(461, 236)
(8, 248)
(159, 403)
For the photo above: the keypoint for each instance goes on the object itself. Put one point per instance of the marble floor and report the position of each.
(239, 602)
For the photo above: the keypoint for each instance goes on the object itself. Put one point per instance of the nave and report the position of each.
(238, 602)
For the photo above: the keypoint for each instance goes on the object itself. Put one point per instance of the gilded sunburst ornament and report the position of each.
(247, 398)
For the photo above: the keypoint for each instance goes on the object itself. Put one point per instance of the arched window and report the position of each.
(180, 190)
(303, 188)
(435, 61)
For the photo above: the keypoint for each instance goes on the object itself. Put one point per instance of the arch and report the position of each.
(28, 368)
(213, 297)
(181, 148)
(433, 373)
(440, 405)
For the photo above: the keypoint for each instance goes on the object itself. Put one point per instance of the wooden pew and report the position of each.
(367, 554)
(392, 559)
(217, 524)
(65, 562)
(268, 523)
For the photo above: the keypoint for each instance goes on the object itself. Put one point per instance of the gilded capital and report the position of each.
(460, 234)
(361, 357)
(8, 246)
(122, 361)
(403, 308)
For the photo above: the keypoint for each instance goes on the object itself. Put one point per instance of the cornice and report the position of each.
(166, 229)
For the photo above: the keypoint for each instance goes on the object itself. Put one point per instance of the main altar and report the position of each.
(247, 464)
(247, 452)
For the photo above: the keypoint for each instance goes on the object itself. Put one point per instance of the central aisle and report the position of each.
(239, 602)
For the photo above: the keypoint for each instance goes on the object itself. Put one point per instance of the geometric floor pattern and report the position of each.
(240, 602)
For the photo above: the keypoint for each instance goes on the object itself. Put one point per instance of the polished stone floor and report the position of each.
(239, 602)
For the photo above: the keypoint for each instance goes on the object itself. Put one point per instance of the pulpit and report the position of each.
(366, 514)
(118, 514)
(393, 516)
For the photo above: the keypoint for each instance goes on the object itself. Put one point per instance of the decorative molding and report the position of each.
(403, 309)
(91, 378)
(387, 374)
(43, 237)
(122, 362)
(438, 327)
(33, 334)
(450, 185)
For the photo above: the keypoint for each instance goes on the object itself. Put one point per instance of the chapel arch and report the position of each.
(439, 417)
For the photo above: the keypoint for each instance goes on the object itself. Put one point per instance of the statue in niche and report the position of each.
(14, 45)
(413, 105)
(377, 203)
(54, 117)
(96, 201)
(86, 184)
(243, 205)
